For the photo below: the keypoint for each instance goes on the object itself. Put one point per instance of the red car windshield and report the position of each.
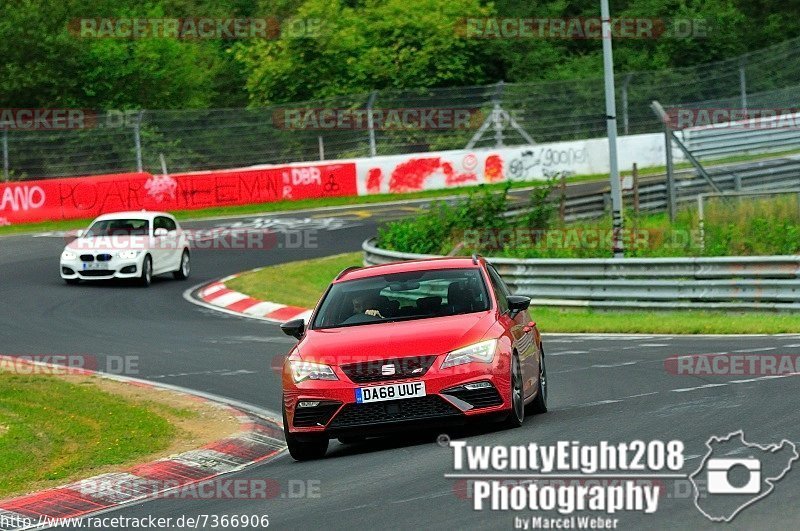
(402, 297)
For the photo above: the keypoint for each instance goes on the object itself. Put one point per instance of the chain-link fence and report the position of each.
(541, 112)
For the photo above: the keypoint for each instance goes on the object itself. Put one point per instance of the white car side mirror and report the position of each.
(160, 232)
(79, 233)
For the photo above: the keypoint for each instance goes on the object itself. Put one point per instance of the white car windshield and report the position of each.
(119, 227)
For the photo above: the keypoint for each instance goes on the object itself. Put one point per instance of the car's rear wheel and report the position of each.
(517, 414)
(539, 404)
(147, 272)
(185, 269)
(304, 449)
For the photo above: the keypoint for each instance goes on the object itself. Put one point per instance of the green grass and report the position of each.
(663, 322)
(302, 283)
(51, 429)
(295, 283)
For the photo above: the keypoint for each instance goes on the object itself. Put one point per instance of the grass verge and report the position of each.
(55, 429)
(295, 283)
(302, 283)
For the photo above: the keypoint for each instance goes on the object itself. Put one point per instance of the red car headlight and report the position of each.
(305, 370)
(481, 352)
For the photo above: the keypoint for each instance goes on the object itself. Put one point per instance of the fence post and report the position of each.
(321, 148)
(743, 84)
(635, 177)
(137, 138)
(5, 154)
(562, 207)
(497, 112)
(373, 149)
(701, 222)
(671, 199)
(625, 102)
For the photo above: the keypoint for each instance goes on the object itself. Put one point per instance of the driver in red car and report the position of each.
(360, 306)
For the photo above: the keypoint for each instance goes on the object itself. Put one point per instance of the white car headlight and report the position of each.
(68, 255)
(305, 370)
(129, 255)
(482, 352)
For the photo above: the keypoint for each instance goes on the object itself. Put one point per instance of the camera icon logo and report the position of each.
(725, 483)
(719, 471)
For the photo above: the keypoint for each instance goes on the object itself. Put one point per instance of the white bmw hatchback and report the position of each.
(131, 245)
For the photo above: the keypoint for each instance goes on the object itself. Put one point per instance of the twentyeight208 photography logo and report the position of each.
(738, 473)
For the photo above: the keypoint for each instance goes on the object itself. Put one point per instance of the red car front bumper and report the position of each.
(330, 407)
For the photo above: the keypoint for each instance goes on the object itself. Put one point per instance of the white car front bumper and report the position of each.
(101, 269)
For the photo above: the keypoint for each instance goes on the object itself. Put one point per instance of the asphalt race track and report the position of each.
(601, 388)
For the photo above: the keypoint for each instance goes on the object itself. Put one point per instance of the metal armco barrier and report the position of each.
(774, 174)
(734, 283)
(728, 139)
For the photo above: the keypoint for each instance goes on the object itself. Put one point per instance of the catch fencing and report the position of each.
(542, 112)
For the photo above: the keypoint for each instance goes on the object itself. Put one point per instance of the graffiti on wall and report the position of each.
(84, 197)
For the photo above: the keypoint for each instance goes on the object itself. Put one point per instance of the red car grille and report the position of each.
(391, 369)
(421, 408)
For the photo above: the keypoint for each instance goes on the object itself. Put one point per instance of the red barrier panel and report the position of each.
(86, 197)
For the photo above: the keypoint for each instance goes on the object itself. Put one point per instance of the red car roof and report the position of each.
(411, 265)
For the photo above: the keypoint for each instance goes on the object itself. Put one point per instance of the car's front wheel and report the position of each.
(147, 272)
(304, 449)
(539, 404)
(184, 269)
(71, 281)
(517, 414)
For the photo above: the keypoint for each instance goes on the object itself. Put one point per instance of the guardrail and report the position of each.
(775, 174)
(760, 135)
(732, 283)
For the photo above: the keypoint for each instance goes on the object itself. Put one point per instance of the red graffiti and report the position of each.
(493, 168)
(453, 178)
(410, 176)
(85, 197)
(374, 178)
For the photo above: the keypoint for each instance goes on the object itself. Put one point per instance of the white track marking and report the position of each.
(565, 352)
(613, 365)
(227, 299)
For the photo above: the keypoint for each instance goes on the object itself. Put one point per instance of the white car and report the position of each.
(132, 245)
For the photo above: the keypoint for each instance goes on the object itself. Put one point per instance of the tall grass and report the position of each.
(735, 226)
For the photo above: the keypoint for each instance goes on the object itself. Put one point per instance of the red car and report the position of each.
(426, 343)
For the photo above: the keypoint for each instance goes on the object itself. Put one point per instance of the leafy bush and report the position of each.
(441, 228)
(743, 227)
